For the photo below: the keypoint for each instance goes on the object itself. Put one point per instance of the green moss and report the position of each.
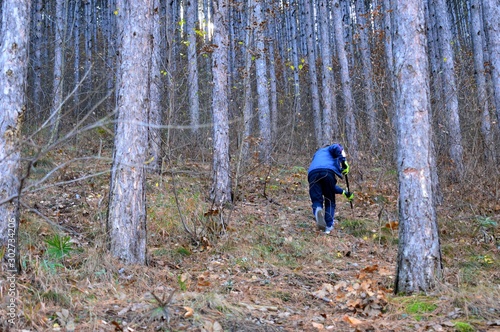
(463, 327)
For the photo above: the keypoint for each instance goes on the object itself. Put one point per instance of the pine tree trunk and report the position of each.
(345, 78)
(477, 42)
(328, 91)
(194, 104)
(369, 91)
(492, 15)
(13, 78)
(262, 85)
(419, 259)
(126, 223)
(221, 183)
(447, 65)
(156, 92)
(57, 85)
(313, 75)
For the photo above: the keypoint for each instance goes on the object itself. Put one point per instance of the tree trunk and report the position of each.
(365, 52)
(483, 105)
(57, 85)
(492, 15)
(126, 223)
(37, 63)
(419, 259)
(452, 120)
(313, 75)
(262, 85)
(156, 92)
(13, 78)
(350, 124)
(191, 27)
(221, 180)
(328, 90)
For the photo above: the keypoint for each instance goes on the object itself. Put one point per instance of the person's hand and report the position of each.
(349, 195)
(345, 167)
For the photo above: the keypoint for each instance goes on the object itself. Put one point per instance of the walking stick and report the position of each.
(347, 184)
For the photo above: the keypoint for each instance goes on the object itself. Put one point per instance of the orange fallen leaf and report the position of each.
(352, 321)
(189, 312)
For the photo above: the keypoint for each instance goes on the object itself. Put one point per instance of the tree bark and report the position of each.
(447, 64)
(419, 259)
(479, 70)
(221, 180)
(313, 74)
(328, 90)
(126, 224)
(492, 14)
(191, 27)
(262, 85)
(350, 124)
(13, 78)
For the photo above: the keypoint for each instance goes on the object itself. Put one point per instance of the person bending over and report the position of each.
(328, 163)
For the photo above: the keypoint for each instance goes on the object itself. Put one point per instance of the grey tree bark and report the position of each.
(37, 62)
(419, 259)
(13, 79)
(247, 83)
(350, 123)
(155, 116)
(264, 112)
(479, 70)
(76, 59)
(447, 65)
(328, 90)
(58, 80)
(126, 224)
(221, 179)
(191, 27)
(313, 74)
(366, 62)
(492, 15)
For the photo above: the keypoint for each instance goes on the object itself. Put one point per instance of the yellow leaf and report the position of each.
(115, 12)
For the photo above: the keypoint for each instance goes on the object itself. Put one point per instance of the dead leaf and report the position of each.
(352, 321)
(370, 269)
(189, 312)
(318, 326)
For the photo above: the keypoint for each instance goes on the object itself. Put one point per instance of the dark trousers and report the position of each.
(322, 190)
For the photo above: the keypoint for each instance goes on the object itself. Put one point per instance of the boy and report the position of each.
(327, 163)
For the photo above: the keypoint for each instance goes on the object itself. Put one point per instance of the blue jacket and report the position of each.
(329, 157)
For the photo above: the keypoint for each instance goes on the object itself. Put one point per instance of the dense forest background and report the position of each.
(305, 78)
(230, 243)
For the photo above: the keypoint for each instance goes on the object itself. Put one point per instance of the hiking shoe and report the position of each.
(320, 219)
(328, 230)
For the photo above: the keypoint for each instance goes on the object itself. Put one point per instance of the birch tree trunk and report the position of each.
(13, 79)
(313, 74)
(191, 27)
(221, 180)
(452, 120)
(419, 259)
(262, 85)
(345, 78)
(479, 70)
(126, 224)
(492, 15)
(328, 91)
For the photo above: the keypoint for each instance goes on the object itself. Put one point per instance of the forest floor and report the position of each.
(271, 270)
